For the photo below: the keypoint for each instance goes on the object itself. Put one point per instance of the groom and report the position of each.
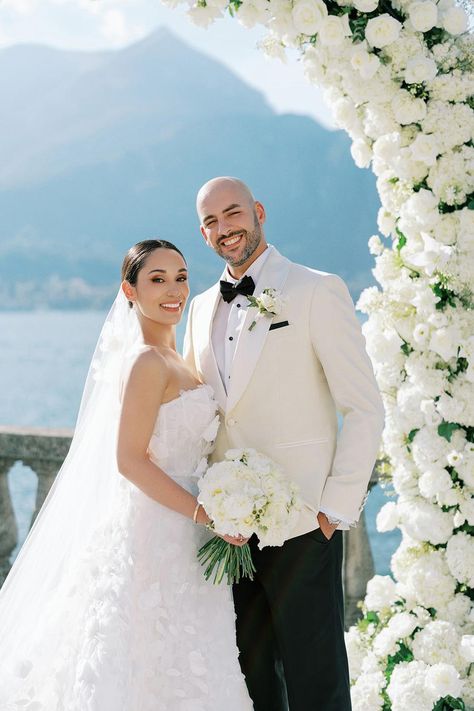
(280, 385)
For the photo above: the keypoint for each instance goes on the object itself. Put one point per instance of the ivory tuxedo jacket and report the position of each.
(290, 376)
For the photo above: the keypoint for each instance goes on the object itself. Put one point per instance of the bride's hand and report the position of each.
(203, 518)
(235, 540)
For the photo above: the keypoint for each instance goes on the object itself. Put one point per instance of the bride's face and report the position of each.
(162, 288)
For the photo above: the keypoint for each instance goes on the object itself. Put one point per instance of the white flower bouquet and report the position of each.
(246, 493)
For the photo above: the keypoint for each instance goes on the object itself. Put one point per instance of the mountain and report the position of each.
(100, 150)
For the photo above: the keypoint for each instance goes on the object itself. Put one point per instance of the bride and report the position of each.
(106, 607)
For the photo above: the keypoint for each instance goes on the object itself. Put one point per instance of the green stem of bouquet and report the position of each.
(224, 559)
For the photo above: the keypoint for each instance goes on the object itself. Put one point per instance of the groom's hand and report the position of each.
(326, 527)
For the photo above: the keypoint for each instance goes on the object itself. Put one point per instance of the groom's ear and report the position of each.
(260, 211)
(206, 240)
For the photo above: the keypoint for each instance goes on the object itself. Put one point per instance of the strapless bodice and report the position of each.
(184, 433)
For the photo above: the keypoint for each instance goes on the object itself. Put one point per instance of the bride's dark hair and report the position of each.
(136, 256)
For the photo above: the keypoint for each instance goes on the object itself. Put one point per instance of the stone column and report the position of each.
(46, 471)
(358, 568)
(8, 526)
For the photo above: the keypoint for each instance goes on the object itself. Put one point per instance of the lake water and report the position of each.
(44, 358)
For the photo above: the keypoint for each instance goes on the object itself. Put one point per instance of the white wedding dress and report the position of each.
(151, 633)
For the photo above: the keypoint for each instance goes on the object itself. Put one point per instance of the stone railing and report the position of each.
(43, 450)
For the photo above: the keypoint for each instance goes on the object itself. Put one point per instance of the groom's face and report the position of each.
(231, 223)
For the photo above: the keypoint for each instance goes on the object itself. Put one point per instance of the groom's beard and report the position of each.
(252, 240)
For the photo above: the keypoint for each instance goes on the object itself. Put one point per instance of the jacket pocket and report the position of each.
(302, 442)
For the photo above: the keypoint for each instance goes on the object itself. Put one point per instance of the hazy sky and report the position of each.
(99, 24)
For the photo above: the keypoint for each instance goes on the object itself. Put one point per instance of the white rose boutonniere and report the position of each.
(269, 303)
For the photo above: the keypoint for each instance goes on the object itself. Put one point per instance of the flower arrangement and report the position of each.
(245, 494)
(399, 76)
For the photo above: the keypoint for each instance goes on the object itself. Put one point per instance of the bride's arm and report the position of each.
(143, 395)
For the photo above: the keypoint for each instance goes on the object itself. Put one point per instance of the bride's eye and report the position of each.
(182, 278)
(157, 280)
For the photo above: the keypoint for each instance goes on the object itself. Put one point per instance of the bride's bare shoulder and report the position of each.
(149, 365)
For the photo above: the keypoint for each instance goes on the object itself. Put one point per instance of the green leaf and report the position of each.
(411, 435)
(406, 348)
(402, 240)
(470, 204)
(446, 429)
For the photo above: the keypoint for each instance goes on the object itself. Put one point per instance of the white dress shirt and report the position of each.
(229, 319)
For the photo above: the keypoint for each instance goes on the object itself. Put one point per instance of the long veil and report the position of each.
(34, 602)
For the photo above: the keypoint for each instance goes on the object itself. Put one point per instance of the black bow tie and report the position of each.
(245, 286)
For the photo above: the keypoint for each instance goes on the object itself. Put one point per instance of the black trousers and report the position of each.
(290, 626)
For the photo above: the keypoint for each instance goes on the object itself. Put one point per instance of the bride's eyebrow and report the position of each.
(163, 271)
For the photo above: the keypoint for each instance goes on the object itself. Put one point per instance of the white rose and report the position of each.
(382, 30)
(361, 153)
(425, 148)
(366, 5)
(308, 16)
(423, 15)
(366, 63)
(334, 30)
(204, 16)
(420, 69)
(251, 12)
(387, 517)
(443, 680)
(455, 21)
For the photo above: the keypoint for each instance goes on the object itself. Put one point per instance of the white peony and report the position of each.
(455, 21)
(382, 30)
(366, 5)
(308, 16)
(420, 69)
(423, 15)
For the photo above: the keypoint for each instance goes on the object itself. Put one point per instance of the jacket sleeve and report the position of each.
(340, 346)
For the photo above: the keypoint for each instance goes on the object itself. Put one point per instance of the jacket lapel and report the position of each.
(250, 343)
(205, 356)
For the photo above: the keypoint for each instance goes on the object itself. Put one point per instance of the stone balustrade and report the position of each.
(43, 450)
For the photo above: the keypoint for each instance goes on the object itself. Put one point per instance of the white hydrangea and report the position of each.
(366, 692)
(381, 593)
(420, 69)
(443, 680)
(423, 576)
(407, 689)
(460, 557)
(387, 517)
(438, 642)
(434, 480)
(425, 522)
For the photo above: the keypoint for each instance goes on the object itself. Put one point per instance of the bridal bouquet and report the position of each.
(244, 494)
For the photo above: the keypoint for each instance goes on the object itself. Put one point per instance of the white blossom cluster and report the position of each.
(399, 76)
(247, 493)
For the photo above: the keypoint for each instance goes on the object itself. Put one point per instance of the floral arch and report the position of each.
(399, 76)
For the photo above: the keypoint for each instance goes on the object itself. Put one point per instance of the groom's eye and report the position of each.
(157, 279)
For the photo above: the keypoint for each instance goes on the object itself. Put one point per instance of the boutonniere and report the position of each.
(269, 303)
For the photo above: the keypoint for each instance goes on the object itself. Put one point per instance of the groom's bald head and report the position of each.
(222, 185)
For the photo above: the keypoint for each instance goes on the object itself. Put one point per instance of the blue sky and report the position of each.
(98, 24)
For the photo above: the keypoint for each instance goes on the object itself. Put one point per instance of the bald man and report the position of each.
(280, 385)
